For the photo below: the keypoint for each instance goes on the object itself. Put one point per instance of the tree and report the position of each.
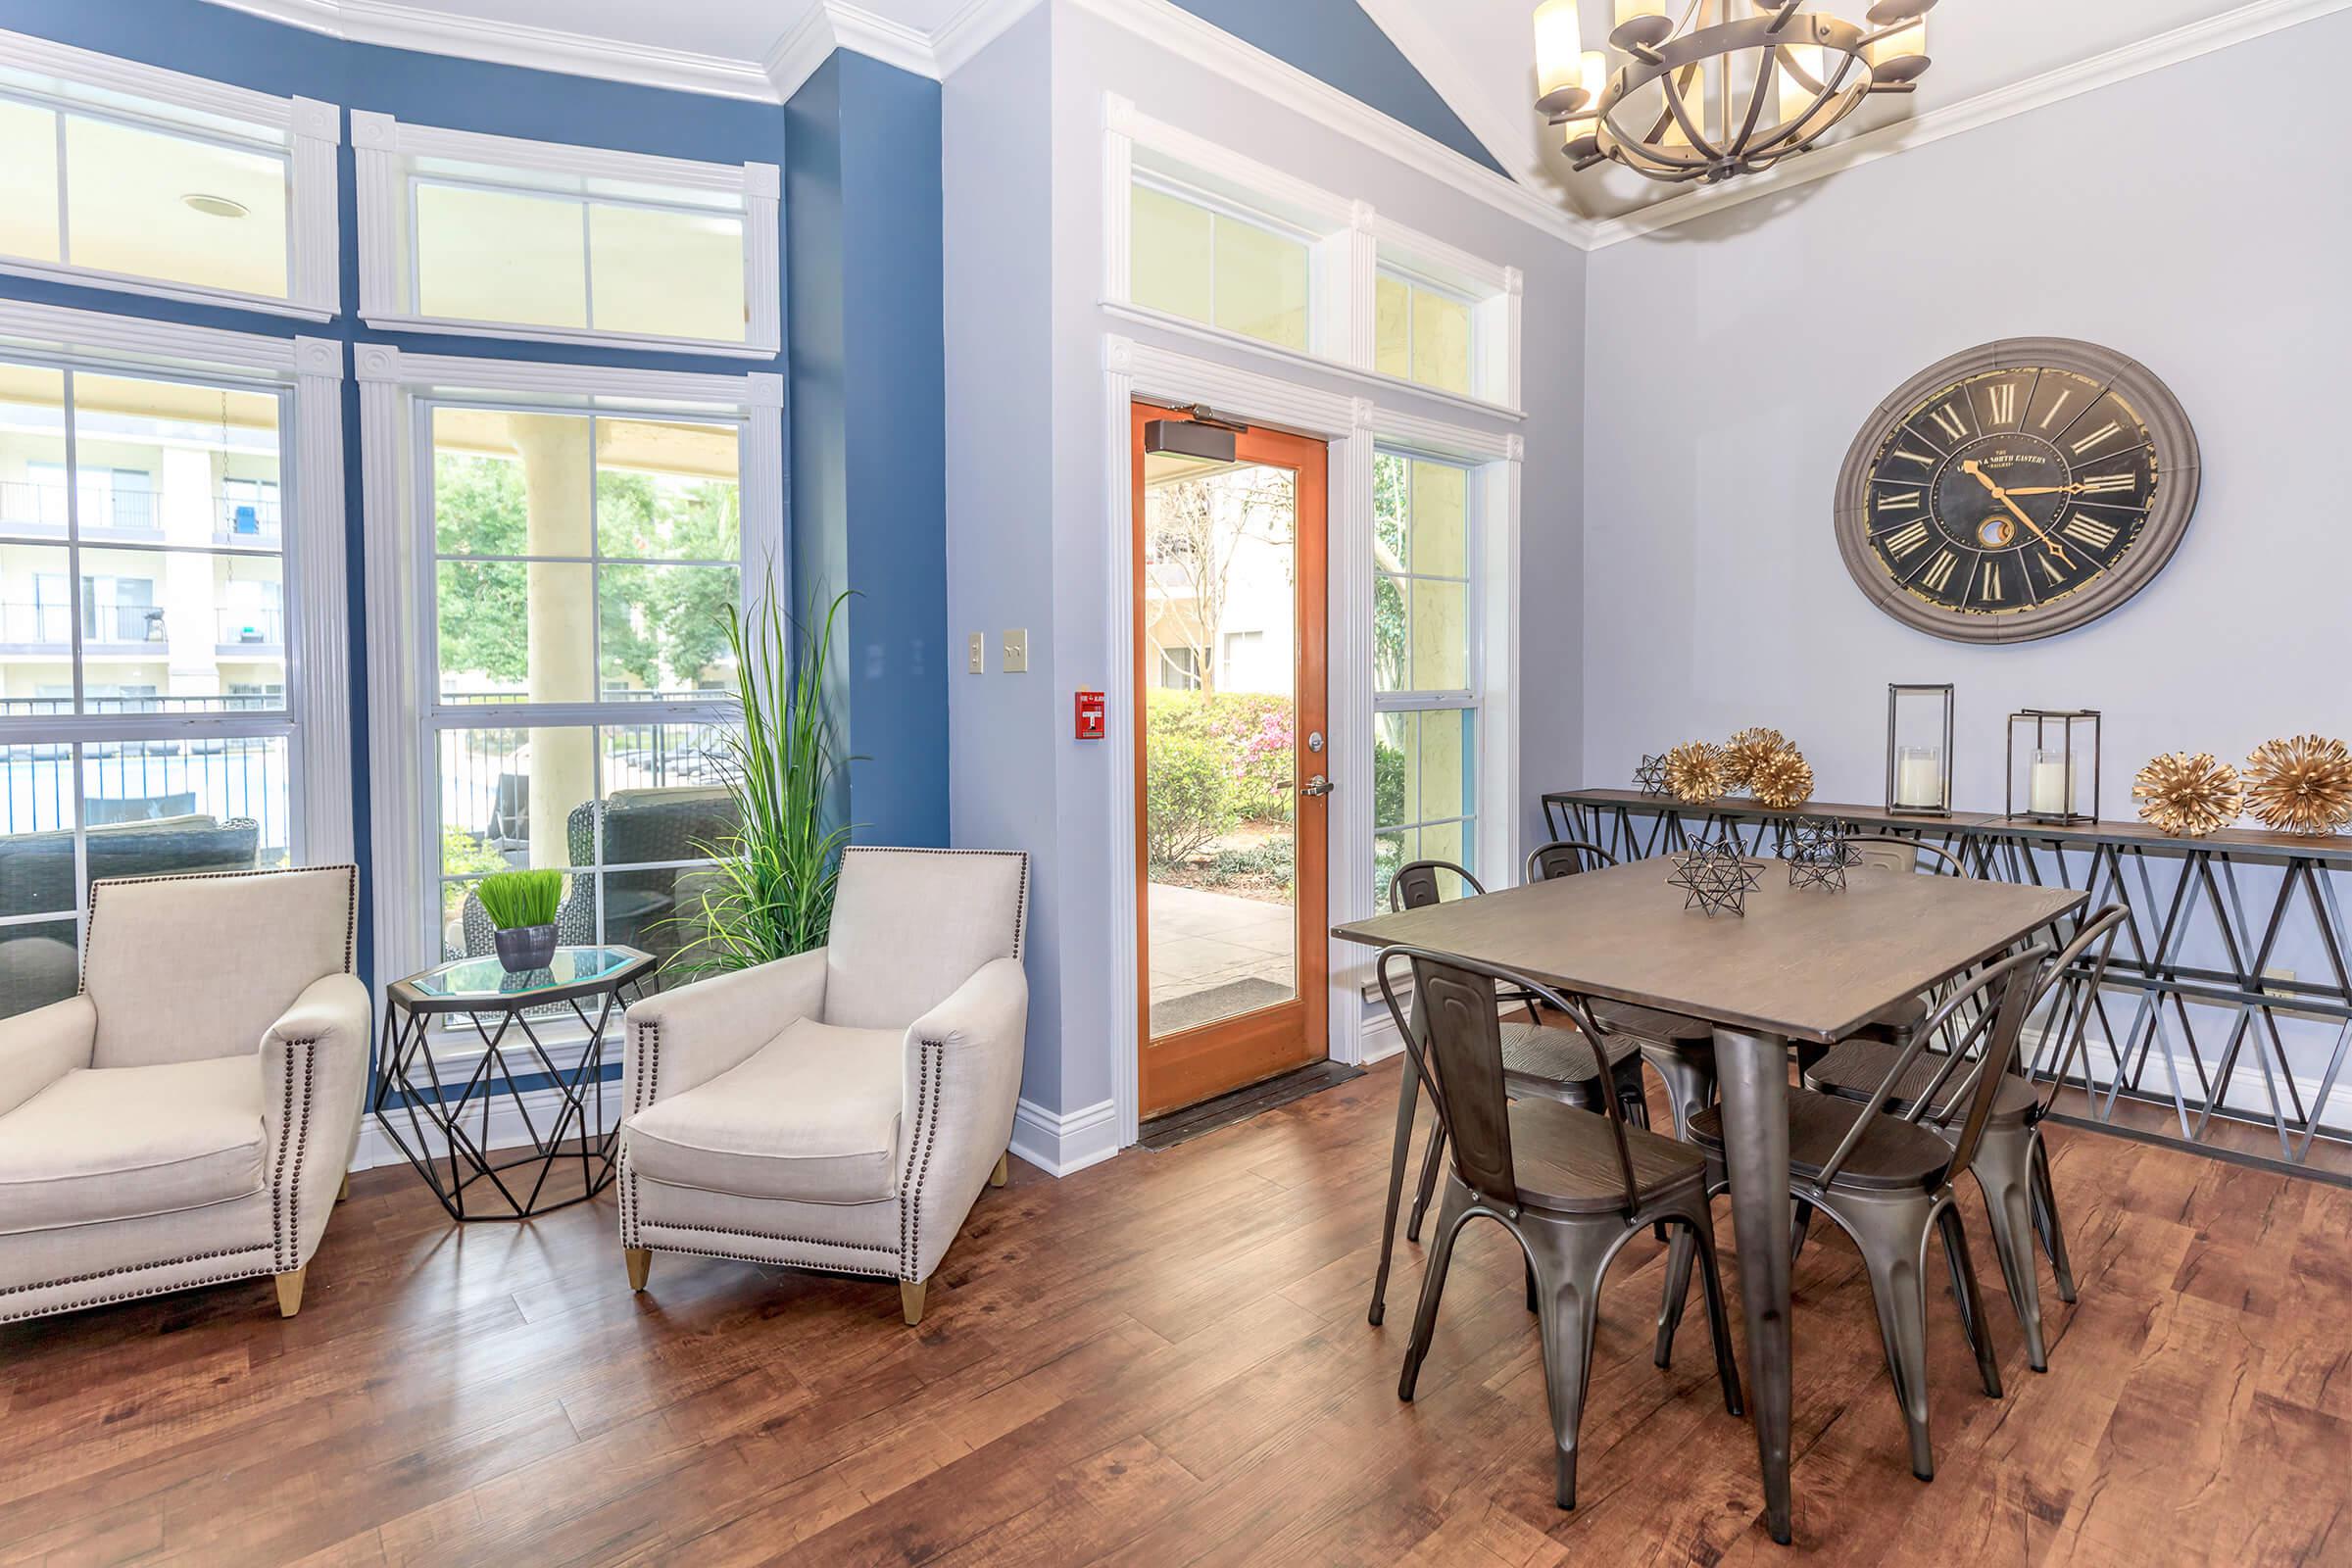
(1391, 509)
(665, 624)
(1196, 528)
(480, 509)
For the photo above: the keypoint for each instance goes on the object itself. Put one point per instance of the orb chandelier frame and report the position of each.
(1735, 93)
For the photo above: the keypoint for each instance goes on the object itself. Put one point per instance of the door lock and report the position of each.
(1318, 785)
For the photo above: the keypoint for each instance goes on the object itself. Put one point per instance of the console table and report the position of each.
(2200, 1037)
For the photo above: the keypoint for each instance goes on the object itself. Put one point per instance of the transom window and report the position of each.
(145, 726)
(1423, 334)
(1196, 258)
(1425, 667)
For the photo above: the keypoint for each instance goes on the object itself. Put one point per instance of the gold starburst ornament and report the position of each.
(2302, 784)
(1781, 779)
(1744, 752)
(2188, 797)
(1696, 774)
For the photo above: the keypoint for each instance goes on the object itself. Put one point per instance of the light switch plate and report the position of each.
(1016, 652)
(978, 661)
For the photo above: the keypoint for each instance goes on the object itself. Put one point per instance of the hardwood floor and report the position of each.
(1165, 1360)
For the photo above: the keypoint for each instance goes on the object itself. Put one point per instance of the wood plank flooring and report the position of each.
(1163, 1360)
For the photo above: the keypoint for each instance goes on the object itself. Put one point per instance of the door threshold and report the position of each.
(1167, 1130)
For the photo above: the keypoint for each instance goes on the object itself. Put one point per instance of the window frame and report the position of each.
(306, 133)
(305, 375)
(1470, 698)
(386, 150)
(406, 717)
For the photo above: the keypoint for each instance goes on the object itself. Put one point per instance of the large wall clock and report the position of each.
(2017, 490)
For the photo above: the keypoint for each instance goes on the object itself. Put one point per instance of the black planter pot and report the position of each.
(526, 948)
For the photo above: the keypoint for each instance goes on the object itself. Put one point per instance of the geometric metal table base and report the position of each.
(447, 1136)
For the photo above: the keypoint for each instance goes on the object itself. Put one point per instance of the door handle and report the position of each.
(1318, 785)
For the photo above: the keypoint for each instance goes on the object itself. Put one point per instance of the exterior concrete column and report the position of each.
(190, 603)
(558, 477)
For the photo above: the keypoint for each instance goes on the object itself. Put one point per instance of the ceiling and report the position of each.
(1477, 54)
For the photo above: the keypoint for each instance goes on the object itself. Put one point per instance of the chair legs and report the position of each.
(1972, 1306)
(1455, 1210)
(1433, 1157)
(1893, 1238)
(1408, 1095)
(289, 1291)
(2004, 1172)
(640, 1262)
(1569, 1263)
(2045, 1220)
(1689, 1079)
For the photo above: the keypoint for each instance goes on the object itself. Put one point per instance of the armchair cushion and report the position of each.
(118, 1143)
(910, 926)
(813, 1115)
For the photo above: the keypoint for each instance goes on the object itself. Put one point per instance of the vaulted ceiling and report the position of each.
(1468, 81)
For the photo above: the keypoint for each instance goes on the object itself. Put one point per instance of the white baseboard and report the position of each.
(1378, 1039)
(508, 1129)
(1059, 1143)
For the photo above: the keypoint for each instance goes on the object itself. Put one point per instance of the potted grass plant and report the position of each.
(768, 893)
(522, 906)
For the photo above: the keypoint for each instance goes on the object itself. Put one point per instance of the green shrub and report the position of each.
(516, 899)
(1188, 798)
(1253, 734)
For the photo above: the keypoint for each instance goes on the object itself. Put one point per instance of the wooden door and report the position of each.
(1232, 762)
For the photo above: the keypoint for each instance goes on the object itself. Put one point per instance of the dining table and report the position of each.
(1799, 965)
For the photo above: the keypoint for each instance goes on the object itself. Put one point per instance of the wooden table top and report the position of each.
(1803, 962)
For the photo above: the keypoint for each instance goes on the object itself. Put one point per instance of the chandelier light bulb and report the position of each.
(1901, 56)
(1560, 57)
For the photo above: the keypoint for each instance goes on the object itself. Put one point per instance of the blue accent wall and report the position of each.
(1334, 42)
(227, 45)
(868, 400)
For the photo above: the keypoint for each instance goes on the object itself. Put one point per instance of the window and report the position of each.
(1422, 333)
(1425, 666)
(135, 738)
(1240, 273)
(125, 175)
(496, 236)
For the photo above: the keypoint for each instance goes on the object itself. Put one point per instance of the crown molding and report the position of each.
(2240, 25)
(510, 43)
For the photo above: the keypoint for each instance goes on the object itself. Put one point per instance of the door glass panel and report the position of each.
(1220, 763)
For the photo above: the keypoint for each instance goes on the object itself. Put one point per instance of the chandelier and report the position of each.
(1718, 88)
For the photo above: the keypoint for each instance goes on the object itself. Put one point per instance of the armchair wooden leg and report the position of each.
(640, 1260)
(344, 1191)
(1004, 1171)
(911, 1299)
(289, 1291)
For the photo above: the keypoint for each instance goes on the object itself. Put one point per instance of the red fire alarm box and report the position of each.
(1090, 715)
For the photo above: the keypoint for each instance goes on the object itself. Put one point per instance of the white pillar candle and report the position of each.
(1919, 777)
(2048, 792)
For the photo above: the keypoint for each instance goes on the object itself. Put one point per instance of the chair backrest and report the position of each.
(1994, 999)
(2074, 979)
(1890, 852)
(1418, 884)
(910, 926)
(187, 968)
(1565, 857)
(1457, 1049)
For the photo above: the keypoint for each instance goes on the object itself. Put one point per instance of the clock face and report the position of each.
(2006, 495)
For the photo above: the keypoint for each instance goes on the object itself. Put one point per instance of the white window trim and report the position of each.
(1470, 698)
(402, 761)
(313, 132)
(1347, 240)
(1351, 425)
(383, 146)
(310, 372)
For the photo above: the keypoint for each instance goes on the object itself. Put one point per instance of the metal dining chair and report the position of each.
(1570, 1187)
(2011, 1165)
(1887, 1182)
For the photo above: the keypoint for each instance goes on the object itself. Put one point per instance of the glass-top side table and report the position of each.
(447, 1133)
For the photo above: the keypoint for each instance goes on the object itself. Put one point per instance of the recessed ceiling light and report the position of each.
(215, 206)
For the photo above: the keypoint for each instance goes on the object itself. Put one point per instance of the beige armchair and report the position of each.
(840, 1109)
(189, 1117)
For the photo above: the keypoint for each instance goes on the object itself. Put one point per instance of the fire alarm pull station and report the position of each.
(1090, 715)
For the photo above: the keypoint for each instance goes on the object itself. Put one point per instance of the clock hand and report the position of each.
(1969, 466)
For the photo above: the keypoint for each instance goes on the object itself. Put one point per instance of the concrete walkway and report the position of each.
(1202, 940)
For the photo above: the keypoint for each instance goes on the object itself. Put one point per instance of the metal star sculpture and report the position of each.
(1716, 876)
(1817, 855)
(1651, 777)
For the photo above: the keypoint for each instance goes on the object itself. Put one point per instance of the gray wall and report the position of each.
(1026, 461)
(1733, 359)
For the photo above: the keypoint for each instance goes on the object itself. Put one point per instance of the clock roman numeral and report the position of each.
(2003, 399)
(1948, 422)
(2090, 531)
(2094, 438)
(1906, 540)
(1940, 572)
(1920, 457)
(2052, 412)
(2103, 484)
(1901, 501)
(1993, 580)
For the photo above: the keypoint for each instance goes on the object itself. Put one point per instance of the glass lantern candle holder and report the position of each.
(1918, 751)
(2054, 766)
